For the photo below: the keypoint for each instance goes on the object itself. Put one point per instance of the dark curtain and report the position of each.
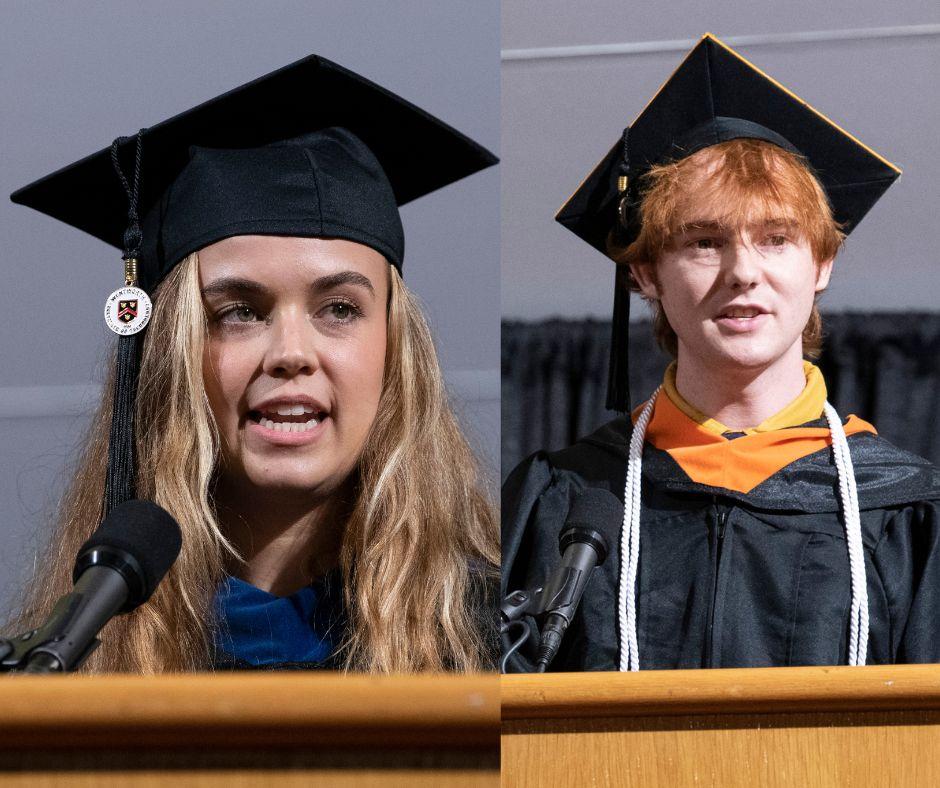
(883, 367)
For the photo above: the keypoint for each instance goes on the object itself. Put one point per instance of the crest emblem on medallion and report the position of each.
(127, 311)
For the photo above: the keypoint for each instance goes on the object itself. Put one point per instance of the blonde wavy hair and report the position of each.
(752, 180)
(419, 546)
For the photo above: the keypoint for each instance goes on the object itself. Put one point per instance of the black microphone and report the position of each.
(116, 571)
(582, 548)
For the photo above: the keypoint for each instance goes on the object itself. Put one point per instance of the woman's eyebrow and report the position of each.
(342, 278)
(234, 285)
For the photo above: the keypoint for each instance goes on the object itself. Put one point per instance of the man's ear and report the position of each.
(643, 276)
(823, 272)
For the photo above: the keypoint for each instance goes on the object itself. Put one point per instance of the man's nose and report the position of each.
(293, 346)
(742, 264)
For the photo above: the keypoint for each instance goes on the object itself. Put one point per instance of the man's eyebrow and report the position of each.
(330, 281)
(718, 226)
(234, 285)
(779, 221)
(702, 224)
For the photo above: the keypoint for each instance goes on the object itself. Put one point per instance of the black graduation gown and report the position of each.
(728, 579)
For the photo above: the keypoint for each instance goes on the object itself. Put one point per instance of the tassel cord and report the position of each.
(120, 480)
(132, 235)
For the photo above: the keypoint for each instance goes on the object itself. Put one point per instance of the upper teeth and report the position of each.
(742, 313)
(270, 418)
(293, 410)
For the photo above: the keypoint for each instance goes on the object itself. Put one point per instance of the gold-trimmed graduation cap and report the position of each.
(310, 150)
(715, 95)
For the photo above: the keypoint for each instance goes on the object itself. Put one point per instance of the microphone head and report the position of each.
(578, 534)
(138, 539)
(590, 509)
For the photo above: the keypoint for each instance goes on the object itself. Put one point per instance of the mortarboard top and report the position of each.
(713, 96)
(292, 106)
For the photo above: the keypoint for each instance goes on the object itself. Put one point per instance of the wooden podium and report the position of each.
(869, 726)
(249, 729)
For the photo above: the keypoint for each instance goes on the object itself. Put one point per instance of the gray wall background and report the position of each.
(75, 75)
(876, 72)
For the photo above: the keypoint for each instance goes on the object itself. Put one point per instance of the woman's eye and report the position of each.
(342, 311)
(238, 313)
(777, 240)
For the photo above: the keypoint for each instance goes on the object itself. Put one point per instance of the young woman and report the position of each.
(758, 527)
(290, 412)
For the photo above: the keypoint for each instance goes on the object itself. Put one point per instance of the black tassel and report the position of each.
(618, 376)
(121, 477)
(623, 180)
(623, 168)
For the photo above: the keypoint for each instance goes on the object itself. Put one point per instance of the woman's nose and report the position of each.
(292, 349)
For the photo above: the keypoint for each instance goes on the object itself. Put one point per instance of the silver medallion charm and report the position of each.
(127, 310)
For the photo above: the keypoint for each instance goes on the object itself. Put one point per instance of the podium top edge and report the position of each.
(251, 709)
(721, 691)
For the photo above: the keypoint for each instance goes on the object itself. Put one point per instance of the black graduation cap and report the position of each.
(713, 96)
(310, 150)
(252, 155)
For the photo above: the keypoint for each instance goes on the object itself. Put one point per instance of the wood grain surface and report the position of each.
(406, 778)
(238, 710)
(726, 690)
(859, 727)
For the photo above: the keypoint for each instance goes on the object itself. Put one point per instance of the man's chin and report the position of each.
(743, 355)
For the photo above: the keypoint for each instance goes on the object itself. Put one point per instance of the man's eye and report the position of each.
(777, 240)
(705, 244)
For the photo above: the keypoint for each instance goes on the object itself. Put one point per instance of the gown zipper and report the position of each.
(722, 512)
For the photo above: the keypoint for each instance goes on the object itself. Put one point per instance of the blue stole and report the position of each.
(260, 628)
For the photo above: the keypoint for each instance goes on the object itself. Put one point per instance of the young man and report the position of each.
(758, 528)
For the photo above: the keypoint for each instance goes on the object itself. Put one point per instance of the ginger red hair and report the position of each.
(737, 183)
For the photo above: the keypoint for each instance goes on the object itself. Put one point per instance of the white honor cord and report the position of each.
(858, 624)
(630, 541)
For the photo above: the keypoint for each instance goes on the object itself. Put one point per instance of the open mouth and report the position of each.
(741, 314)
(288, 418)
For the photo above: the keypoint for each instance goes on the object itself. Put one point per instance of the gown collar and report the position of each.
(709, 454)
(263, 629)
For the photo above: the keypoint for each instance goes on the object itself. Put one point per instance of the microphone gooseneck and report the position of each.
(582, 548)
